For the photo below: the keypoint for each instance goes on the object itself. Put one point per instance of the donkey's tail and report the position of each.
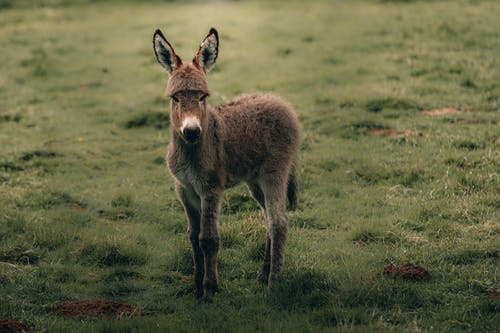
(291, 191)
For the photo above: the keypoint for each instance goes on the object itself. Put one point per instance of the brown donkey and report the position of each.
(253, 138)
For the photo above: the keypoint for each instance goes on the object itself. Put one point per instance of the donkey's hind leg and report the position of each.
(274, 188)
(266, 266)
(259, 196)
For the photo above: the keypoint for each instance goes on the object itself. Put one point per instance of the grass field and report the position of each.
(87, 207)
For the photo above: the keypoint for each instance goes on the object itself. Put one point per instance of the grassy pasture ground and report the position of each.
(87, 208)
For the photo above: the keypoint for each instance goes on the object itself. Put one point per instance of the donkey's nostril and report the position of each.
(192, 134)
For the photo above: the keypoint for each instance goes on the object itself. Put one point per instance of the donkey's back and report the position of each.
(261, 133)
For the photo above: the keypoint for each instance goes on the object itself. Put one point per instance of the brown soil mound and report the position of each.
(96, 307)
(12, 326)
(493, 294)
(407, 271)
(392, 132)
(440, 112)
(79, 207)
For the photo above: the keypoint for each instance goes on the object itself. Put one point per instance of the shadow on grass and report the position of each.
(157, 120)
(361, 128)
(467, 257)
(380, 104)
(371, 174)
(10, 167)
(20, 255)
(122, 288)
(122, 274)
(366, 237)
(181, 260)
(237, 203)
(303, 290)
(7, 118)
(48, 200)
(104, 255)
(38, 153)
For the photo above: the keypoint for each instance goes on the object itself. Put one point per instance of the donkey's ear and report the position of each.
(165, 53)
(209, 49)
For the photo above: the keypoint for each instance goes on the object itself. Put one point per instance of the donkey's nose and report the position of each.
(192, 134)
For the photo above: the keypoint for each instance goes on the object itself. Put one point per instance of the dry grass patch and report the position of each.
(96, 307)
(393, 132)
(440, 112)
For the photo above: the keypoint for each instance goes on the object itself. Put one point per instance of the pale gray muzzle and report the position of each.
(191, 129)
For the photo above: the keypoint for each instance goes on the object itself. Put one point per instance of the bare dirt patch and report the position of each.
(493, 294)
(12, 326)
(79, 207)
(469, 108)
(440, 112)
(96, 307)
(393, 132)
(407, 272)
(469, 122)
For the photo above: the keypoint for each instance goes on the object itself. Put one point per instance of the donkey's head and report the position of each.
(187, 85)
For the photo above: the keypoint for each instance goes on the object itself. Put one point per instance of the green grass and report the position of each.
(88, 208)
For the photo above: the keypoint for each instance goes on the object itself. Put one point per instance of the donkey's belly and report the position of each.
(231, 182)
(239, 175)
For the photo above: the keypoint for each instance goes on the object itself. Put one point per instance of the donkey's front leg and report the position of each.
(266, 266)
(209, 240)
(191, 203)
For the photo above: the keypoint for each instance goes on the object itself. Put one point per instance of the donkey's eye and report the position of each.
(203, 98)
(175, 99)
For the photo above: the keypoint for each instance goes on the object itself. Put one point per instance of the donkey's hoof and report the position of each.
(198, 294)
(272, 280)
(263, 278)
(208, 297)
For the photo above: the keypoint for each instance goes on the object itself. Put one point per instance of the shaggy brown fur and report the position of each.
(254, 138)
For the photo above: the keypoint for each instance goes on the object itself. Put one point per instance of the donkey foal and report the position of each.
(253, 138)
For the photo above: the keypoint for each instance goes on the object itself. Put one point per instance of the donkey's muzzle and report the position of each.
(191, 134)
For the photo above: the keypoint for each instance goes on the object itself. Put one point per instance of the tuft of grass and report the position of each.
(301, 220)
(121, 289)
(122, 200)
(362, 127)
(180, 260)
(38, 153)
(303, 290)
(380, 104)
(239, 203)
(55, 199)
(389, 295)
(468, 145)
(157, 120)
(9, 166)
(467, 257)
(108, 255)
(375, 175)
(469, 84)
(122, 274)
(160, 160)
(4, 118)
(256, 250)
(366, 236)
(21, 255)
